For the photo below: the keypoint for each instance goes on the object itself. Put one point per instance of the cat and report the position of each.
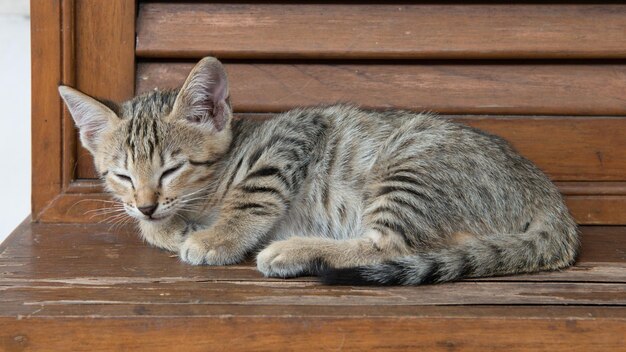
(356, 196)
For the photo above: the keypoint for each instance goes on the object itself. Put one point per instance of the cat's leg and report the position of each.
(306, 255)
(248, 212)
(246, 217)
(396, 221)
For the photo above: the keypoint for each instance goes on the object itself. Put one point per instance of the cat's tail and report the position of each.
(534, 250)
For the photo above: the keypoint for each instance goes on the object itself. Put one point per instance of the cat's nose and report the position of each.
(148, 210)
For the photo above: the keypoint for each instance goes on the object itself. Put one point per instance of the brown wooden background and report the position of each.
(551, 78)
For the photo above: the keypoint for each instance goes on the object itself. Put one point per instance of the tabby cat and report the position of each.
(353, 195)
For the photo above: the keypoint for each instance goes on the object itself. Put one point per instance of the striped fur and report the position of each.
(356, 196)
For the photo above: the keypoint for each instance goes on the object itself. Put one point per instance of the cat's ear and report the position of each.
(91, 116)
(203, 99)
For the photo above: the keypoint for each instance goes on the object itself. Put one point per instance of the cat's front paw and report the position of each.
(284, 259)
(202, 248)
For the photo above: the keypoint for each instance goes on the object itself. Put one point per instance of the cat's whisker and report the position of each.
(92, 200)
(182, 217)
(119, 222)
(194, 200)
(99, 215)
(112, 217)
(190, 207)
(195, 192)
(104, 210)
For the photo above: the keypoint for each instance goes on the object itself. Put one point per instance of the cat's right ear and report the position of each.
(91, 116)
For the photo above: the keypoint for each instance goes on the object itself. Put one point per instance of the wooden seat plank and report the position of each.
(375, 31)
(91, 280)
(65, 253)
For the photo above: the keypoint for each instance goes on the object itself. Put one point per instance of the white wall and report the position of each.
(14, 114)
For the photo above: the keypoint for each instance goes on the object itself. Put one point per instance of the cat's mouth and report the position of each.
(150, 218)
(156, 218)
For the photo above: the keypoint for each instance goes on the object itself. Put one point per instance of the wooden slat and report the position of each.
(140, 309)
(566, 148)
(553, 89)
(312, 333)
(105, 54)
(598, 210)
(381, 31)
(311, 293)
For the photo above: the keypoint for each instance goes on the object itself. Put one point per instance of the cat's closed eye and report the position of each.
(125, 178)
(169, 172)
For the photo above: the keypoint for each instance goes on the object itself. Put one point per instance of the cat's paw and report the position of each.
(284, 259)
(198, 250)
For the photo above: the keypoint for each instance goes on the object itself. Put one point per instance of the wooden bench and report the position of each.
(549, 78)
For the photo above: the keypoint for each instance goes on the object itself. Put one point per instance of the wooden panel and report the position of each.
(313, 333)
(105, 54)
(68, 47)
(381, 31)
(566, 148)
(75, 287)
(46, 103)
(553, 89)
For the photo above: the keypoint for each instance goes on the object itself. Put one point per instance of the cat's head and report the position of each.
(156, 152)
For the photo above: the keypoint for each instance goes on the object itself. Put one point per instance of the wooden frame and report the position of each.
(87, 44)
(90, 45)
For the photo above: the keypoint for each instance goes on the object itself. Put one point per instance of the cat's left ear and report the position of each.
(203, 99)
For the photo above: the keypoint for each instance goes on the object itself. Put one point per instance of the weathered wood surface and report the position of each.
(292, 332)
(94, 257)
(505, 88)
(89, 287)
(375, 31)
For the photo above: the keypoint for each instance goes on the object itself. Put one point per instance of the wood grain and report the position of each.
(46, 103)
(535, 89)
(297, 333)
(381, 31)
(598, 210)
(105, 54)
(85, 287)
(566, 148)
